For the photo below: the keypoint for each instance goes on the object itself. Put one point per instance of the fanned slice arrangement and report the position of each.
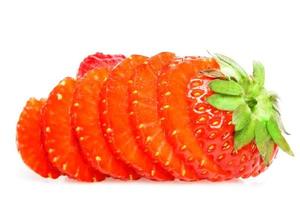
(86, 123)
(161, 118)
(116, 123)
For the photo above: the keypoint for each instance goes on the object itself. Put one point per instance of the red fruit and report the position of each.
(116, 125)
(235, 119)
(99, 60)
(60, 142)
(86, 119)
(29, 140)
(150, 135)
(176, 116)
(161, 118)
(213, 129)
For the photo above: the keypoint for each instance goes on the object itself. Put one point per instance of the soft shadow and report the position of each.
(33, 177)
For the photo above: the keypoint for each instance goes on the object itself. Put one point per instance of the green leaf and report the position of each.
(225, 102)
(261, 137)
(241, 116)
(275, 132)
(232, 69)
(258, 74)
(270, 152)
(245, 136)
(228, 87)
(258, 79)
(232, 63)
(228, 68)
(279, 121)
(264, 142)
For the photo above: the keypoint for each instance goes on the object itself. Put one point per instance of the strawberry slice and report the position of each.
(150, 135)
(116, 124)
(99, 60)
(60, 142)
(29, 141)
(175, 111)
(86, 120)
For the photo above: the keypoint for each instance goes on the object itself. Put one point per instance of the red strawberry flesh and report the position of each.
(116, 125)
(60, 142)
(145, 117)
(29, 140)
(85, 115)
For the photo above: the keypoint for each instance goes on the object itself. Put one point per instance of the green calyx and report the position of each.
(255, 113)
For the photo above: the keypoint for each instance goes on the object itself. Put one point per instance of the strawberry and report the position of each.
(214, 130)
(29, 140)
(114, 117)
(99, 60)
(146, 120)
(63, 149)
(86, 120)
(161, 118)
(235, 118)
(176, 118)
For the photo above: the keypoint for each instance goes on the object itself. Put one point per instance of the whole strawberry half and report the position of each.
(235, 119)
(99, 60)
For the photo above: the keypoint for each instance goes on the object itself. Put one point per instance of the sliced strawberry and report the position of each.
(99, 60)
(61, 144)
(116, 124)
(150, 135)
(86, 120)
(29, 141)
(176, 118)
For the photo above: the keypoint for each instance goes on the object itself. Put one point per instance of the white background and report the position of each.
(41, 42)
